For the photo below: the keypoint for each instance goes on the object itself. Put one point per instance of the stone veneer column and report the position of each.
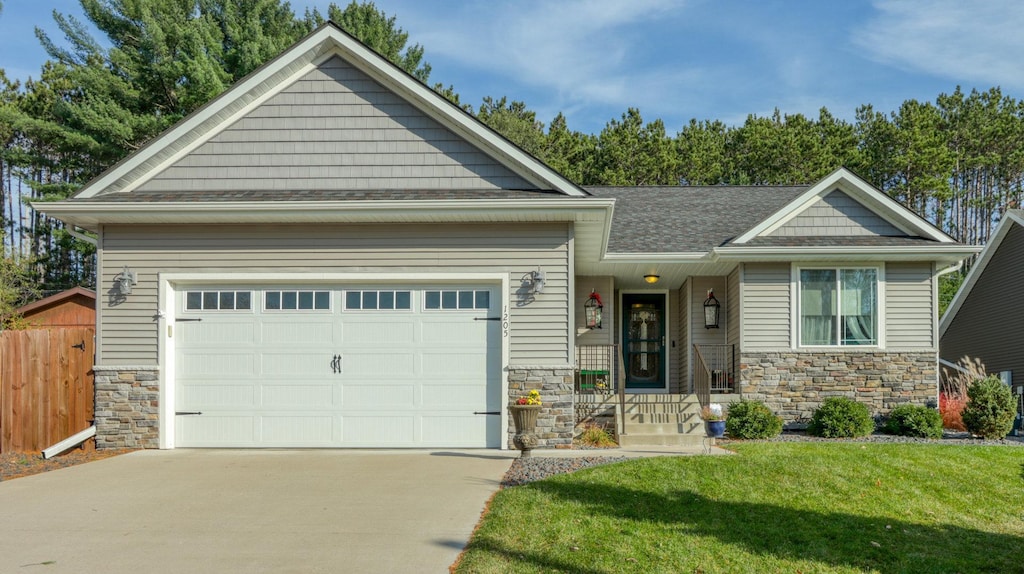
(794, 383)
(127, 407)
(555, 421)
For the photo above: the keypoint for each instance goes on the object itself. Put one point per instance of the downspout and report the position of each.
(70, 442)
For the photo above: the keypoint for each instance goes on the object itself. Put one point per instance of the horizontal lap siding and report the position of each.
(909, 306)
(539, 329)
(335, 128)
(765, 306)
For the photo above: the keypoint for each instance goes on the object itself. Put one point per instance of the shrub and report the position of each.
(841, 417)
(915, 420)
(990, 410)
(752, 419)
(951, 407)
(596, 435)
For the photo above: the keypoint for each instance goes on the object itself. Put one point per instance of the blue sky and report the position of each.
(677, 60)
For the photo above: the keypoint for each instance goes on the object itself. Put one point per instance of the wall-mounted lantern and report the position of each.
(124, 280)
(593, 309)
(711, 311)
(536, 280)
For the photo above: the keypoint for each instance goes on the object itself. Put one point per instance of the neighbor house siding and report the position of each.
(539, 328)
(335, 129)
(990, 322)
(909, 306)
(837, 214)
(765, 306)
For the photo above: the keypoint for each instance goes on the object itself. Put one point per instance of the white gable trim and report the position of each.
(847, 182)
(1009, 220)
(327, 41)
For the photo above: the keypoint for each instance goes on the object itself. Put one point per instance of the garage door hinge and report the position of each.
(188, 413)
(486, 412)
(184, 320)
(487, 318)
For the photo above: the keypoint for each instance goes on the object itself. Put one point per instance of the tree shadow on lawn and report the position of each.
(838, 539)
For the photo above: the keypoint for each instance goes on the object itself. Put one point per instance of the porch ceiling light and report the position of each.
(712, 311)
(652, 279)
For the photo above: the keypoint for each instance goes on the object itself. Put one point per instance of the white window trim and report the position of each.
(347, 309)
(252, 299)
(328, 310)
(794, 296)
(473, 309)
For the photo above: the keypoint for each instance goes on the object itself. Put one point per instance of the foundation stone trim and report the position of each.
(127, 407)
(555, 421)
(794, 383)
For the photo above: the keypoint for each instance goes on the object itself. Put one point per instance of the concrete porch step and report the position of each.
(689, 427)
(631, 440)
(662, 418)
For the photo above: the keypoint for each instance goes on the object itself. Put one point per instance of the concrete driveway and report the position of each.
(249, 511)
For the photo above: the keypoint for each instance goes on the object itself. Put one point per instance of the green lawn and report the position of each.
(775, 507)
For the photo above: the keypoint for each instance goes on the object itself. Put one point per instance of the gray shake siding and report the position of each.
(539, 329)
(335, 128)
(990, 322)
(837, 214)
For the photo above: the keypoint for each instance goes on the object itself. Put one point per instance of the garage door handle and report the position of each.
(486, 412)
(336, 364)
(187, 413)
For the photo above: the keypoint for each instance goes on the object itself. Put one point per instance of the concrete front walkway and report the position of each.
(249, 511)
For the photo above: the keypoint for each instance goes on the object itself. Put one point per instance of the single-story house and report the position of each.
(978, 323)
(332, 254)
(75, 307)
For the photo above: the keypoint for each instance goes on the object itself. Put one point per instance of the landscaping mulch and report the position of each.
(17, 464)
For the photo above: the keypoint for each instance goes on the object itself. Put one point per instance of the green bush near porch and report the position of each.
(841, 417)
(776, 507)
(914, 420)
(749, 419)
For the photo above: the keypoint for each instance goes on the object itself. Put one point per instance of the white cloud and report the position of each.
(951, 39)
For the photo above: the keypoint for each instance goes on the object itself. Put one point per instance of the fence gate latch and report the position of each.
(80, 346)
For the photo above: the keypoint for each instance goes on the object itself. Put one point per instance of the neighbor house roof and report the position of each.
(1012, 217)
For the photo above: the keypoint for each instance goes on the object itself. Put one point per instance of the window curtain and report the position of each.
(818, 307)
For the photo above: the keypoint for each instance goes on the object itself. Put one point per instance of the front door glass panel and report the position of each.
(644, 341)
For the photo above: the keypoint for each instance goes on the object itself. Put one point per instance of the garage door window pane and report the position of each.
(369, 299)
(210, 300)
(227, 300)
(194, 300)
(289, 300)
(387, 300)
(323, 300)
(305, 300)
(483, 300)
(273, 300)
(433, 300)
(353, 300)
(403, 300)
(243, 300)
(449, 300)
(465, 299)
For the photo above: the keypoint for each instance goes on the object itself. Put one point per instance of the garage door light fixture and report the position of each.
(124, 280)
(535, 281)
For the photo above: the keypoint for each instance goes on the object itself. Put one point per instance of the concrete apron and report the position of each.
(250, 511)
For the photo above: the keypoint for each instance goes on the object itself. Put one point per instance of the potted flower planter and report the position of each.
(715, 429)
(524, 417)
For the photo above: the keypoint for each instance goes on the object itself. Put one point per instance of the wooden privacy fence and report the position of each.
(46, 386)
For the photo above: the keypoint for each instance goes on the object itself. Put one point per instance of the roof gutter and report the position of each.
(943, 252)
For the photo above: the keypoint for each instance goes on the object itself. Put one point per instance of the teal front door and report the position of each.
(643, 340)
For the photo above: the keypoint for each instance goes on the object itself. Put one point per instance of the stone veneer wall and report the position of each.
(127, 407)
(794, 383)
(555, 422)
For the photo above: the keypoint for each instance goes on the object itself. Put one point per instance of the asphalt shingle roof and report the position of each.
(839, 241)
(688, 218)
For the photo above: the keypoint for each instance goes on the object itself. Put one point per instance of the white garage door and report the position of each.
(360, 366)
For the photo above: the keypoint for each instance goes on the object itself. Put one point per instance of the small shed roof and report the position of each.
(44, 312)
